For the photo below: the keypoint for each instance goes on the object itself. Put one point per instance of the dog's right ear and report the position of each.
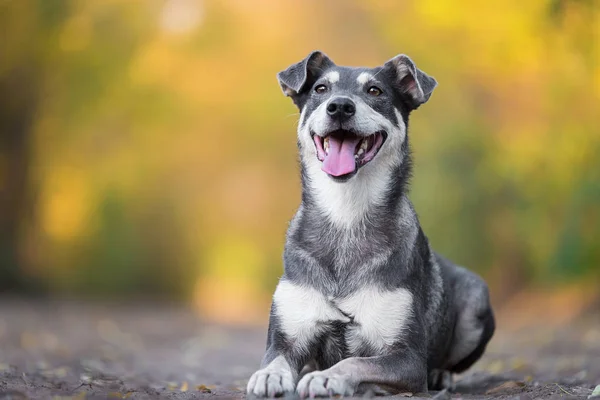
(300, 76)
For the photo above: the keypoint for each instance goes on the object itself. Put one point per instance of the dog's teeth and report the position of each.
(363, 145)
(360, 151)
(326, 144)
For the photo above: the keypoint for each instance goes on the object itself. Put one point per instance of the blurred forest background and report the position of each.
(146, 150)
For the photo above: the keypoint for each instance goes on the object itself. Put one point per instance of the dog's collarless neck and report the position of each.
(362, 203)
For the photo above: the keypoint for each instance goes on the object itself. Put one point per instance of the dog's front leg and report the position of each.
(275, 378)
(399, 371)
(280, 366)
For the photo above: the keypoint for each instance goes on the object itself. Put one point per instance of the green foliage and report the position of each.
(158, 137)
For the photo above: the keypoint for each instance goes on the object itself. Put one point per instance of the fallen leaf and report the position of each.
(520, 365)
(506, 386)
(563, 389)
(120, 395)
(595, 393)
(203, 389)
(495, 367)
(184, 387)
(60, 372)
(77, 397)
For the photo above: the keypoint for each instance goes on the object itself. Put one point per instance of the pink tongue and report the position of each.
(340, 159)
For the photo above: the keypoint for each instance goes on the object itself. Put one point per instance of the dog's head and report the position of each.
(354, 117)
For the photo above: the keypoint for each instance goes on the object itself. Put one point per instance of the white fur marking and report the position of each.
(381, 316)
(274, 379)
(364, 78)
(301, 310)
(333, 76)
(327, 383)
(347, 203)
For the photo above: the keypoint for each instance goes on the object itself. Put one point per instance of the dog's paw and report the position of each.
(325, 384)
(270, 382)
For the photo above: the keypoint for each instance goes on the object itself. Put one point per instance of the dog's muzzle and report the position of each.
(343, 152)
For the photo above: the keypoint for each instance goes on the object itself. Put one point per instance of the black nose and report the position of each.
(341, 108)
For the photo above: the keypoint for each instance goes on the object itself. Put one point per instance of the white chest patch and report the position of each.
(303, 312)
(379, 316)
(375, 317)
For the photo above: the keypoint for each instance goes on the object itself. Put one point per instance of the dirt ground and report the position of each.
(68, 350)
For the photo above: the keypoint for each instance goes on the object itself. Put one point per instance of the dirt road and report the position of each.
(66, 350)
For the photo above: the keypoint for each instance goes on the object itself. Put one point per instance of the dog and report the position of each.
(364, 303)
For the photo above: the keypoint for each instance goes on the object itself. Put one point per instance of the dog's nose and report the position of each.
(341, 108)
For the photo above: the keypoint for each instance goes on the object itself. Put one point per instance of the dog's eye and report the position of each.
(320, 89)
(374, 91)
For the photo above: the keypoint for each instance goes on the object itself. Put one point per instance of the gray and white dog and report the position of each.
(363, 300)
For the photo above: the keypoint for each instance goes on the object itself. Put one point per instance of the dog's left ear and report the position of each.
(300, 76)
(410, 80)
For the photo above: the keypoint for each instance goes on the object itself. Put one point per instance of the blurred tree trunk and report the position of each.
(27, 29)
(17, 108)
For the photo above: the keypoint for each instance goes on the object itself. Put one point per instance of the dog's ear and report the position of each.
(300, 76)
(410, 80)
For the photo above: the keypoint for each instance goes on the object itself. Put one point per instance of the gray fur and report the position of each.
(373, 252)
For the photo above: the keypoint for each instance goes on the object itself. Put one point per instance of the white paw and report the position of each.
(325, 384)
(270, 382)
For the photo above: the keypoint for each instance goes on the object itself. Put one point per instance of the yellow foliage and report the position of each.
(231, 301)
(222, 292)
(174, 108)
(76, 33)
(67, 204)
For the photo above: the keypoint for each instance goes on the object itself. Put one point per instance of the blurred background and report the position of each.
(147, 152)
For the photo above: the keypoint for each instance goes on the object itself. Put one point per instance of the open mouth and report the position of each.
(344, 152)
